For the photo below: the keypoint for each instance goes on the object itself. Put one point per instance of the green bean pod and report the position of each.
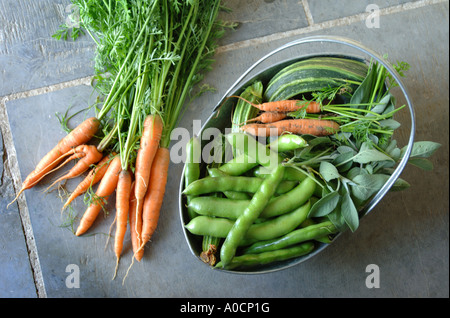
(238, 165)
(288, 142)
(261, 231)
(308, 233)
(248, 145)
(232, 183)
(290, 173)
(192, 167)
(250, 214)
(324, 239)
(250, 260)
(216, 172)
(290, 200)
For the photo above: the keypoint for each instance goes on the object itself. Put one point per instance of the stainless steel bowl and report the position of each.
(221, 120)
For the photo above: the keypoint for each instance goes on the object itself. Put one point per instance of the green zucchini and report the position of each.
(314, 74)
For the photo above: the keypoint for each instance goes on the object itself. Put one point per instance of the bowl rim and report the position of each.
(238, 85)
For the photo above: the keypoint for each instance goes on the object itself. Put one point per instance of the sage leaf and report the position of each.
(349, 212)
(422, 149)
(367, 184)
(337, 219)
(400, 185)
(389, 123)
(421, 163)
(380, 106)
(368, 154)
(328, 171)
(325, 205)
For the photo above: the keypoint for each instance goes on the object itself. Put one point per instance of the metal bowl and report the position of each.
(221, 120)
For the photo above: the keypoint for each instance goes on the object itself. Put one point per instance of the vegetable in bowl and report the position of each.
(346, 155)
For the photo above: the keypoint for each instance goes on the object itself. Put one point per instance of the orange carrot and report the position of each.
(155, 194)
(94, 176)
(122, 209)
(106, 187)
(149, 143)
(285, 106)
(135, 227)
(78, 136)
(314, 127)
(88, 156)
(268, 117)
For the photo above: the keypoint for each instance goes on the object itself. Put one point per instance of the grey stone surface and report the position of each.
(256, 18)
(16, 279)
(325, 10)
(406, 235)
(29, 56)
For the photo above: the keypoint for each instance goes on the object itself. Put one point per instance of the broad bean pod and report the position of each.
(238, 165)
(250, 214)
(250, 260)
(246, 144)
(288, 142)
(233, 183)
(216, 172)
(290, 200)
(192, 167)
(266, 230)
(308, 233)
(290, 173)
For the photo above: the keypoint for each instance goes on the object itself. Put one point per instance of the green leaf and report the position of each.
(328, 171)
(380, 106)
(421, 163)
(337, 219)
(367, 154)
(400, 185)
(367, 185)
(325, 205)
(349, 212)
(422, 149)
(389, 123)
(363, 92)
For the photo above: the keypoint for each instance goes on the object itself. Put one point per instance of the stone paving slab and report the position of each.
(29, 57)
(406, 235)
(325, 10)
(16, 279)
(258, 18)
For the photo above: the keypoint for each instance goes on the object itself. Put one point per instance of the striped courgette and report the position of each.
(314, 74)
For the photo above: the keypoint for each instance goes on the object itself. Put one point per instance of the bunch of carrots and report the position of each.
(150, 55)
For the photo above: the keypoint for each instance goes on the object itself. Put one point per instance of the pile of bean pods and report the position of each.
(253, 209)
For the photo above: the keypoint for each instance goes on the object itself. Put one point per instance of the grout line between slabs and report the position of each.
(309, 16)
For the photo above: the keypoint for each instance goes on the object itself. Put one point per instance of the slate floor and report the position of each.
(406, 235)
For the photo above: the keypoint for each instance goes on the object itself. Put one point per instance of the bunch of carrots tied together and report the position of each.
(149, 56)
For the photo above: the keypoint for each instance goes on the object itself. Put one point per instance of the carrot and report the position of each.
(268, 117)
(78, 136)
(106, 187)
(135, 227)
(314, 127)
(89, 155)
(122, 208)
(94, 176)
(155, 194)
(285, 106)
(149, 143)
